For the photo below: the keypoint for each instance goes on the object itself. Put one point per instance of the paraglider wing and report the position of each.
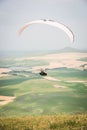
(51, 23)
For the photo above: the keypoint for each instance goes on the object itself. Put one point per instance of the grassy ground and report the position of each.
(55, 122)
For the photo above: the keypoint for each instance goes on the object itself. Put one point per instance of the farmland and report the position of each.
(31, 101)
(38, 96)
(63, 90)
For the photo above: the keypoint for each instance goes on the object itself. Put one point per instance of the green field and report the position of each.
(55, 102)
(38, 96)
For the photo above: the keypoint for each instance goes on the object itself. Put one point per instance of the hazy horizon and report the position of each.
(43, 50)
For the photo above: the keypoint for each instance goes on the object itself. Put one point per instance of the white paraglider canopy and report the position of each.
(61, 26)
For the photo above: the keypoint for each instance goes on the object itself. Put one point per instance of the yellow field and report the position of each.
(55, 122)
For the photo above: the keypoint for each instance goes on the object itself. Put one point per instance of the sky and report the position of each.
(15, 13)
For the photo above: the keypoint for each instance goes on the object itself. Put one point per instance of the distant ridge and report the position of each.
(19, 53)
(70, 49)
